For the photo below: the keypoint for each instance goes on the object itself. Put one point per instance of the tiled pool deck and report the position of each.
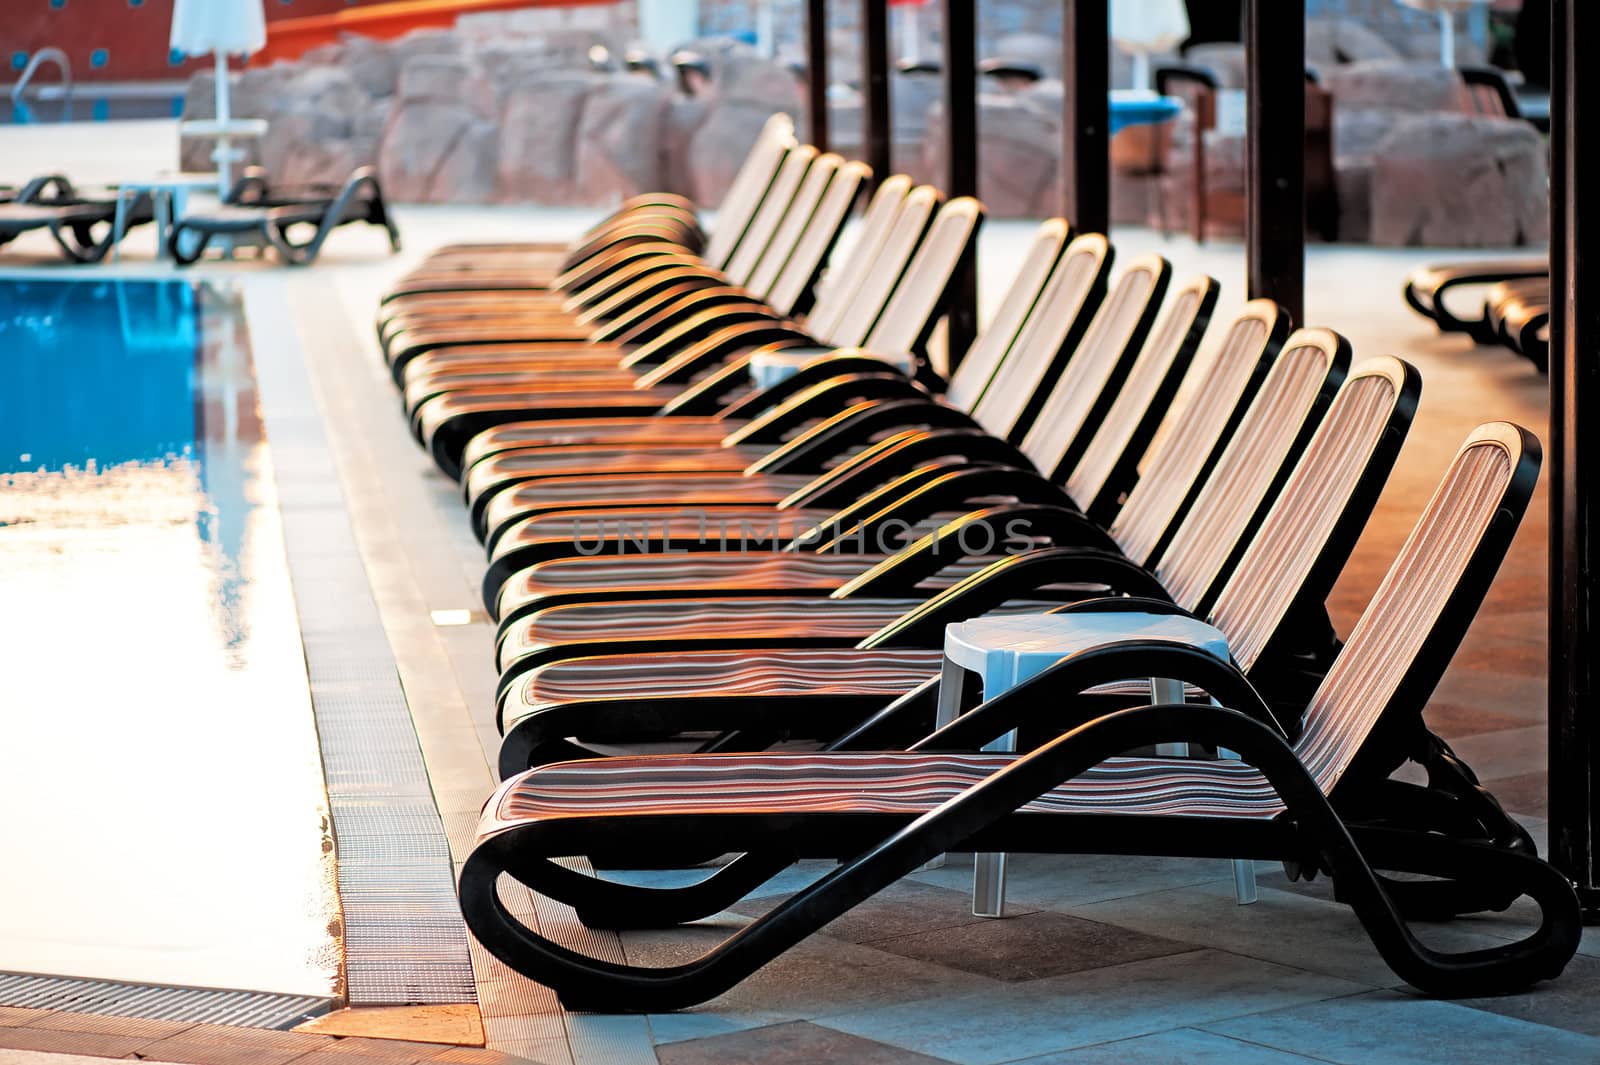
(1102, 959)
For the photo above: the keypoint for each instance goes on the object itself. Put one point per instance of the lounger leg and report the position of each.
(951, 679)
(1244, 870)
(989, 870)
(119, 225)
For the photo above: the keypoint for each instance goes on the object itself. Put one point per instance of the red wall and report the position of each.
(115, 40)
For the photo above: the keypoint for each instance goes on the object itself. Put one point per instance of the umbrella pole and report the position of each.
(222, 155)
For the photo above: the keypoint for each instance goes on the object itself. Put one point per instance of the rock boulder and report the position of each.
(1459, 180)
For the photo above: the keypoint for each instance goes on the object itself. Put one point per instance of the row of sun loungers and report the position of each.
(293, 221)
(1498, 302)
(688, 572)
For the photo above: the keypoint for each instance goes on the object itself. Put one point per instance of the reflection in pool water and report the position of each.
(165, 814)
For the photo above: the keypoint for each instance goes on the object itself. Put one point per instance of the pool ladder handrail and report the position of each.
(48, 54)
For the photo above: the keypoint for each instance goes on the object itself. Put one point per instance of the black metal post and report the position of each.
(1085, 115)
(961, 154)
(817, 73)
(1275, 153)
(1574, 454)
(875, 131)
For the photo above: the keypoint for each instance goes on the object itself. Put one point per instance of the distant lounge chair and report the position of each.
(260, 213)
(1426, 289)
(52, 203)
(1320, 799)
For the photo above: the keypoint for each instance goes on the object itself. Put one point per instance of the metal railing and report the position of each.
(19, 105)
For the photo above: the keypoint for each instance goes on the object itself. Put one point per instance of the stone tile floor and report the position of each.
(1102, 960)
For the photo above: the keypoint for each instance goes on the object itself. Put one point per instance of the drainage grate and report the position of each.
(405, 941)
(110, 998)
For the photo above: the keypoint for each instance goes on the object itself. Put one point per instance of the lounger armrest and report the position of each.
(833, 406)
(833, 529)
(964, 488)
(1012, 577)
(1113, 604)
(896, 726)
(844, 484)
(1052, 697)
(670, 310)
(989, 531)
(824, 445)
(713, 343)
(831, 363)
(615, 267)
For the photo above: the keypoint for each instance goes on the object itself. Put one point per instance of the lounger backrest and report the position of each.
(1118, 442)
(1305, 539)
(748, 189)
(792, 227)
(919, 298)
(877, 282)
(983, 358)
(791, 290)
(1417, 617)
(1201, 429)
(1255, 463)
(1095, 372)
(1041, 348)
(838, 288)
(768, 221)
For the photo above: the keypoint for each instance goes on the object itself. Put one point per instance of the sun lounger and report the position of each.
(883, 814)
(1426, 291)
(257, 213)
(53, 203)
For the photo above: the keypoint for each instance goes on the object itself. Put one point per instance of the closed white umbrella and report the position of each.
(1140, 27)
(223, 28)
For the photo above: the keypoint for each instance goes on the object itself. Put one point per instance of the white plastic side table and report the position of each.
(1009, 649)
(767, 368)
(169, 195)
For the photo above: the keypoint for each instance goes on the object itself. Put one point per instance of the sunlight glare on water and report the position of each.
(165, 816)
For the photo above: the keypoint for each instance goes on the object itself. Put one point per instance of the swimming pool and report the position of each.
(166, 815)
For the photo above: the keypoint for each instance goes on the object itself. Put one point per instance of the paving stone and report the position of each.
(1524, 793)
(1308, 932)
(689, 1024)
(1567, 1002)
(1400, 1029)
(202, 1051)
(796, 1043)
(94, 1044)
(1185, 1045)
(1012, 1021)
(1031, 946)
(818, 976)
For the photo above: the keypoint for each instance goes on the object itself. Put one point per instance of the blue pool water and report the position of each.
(155, 722)
(97, 371)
